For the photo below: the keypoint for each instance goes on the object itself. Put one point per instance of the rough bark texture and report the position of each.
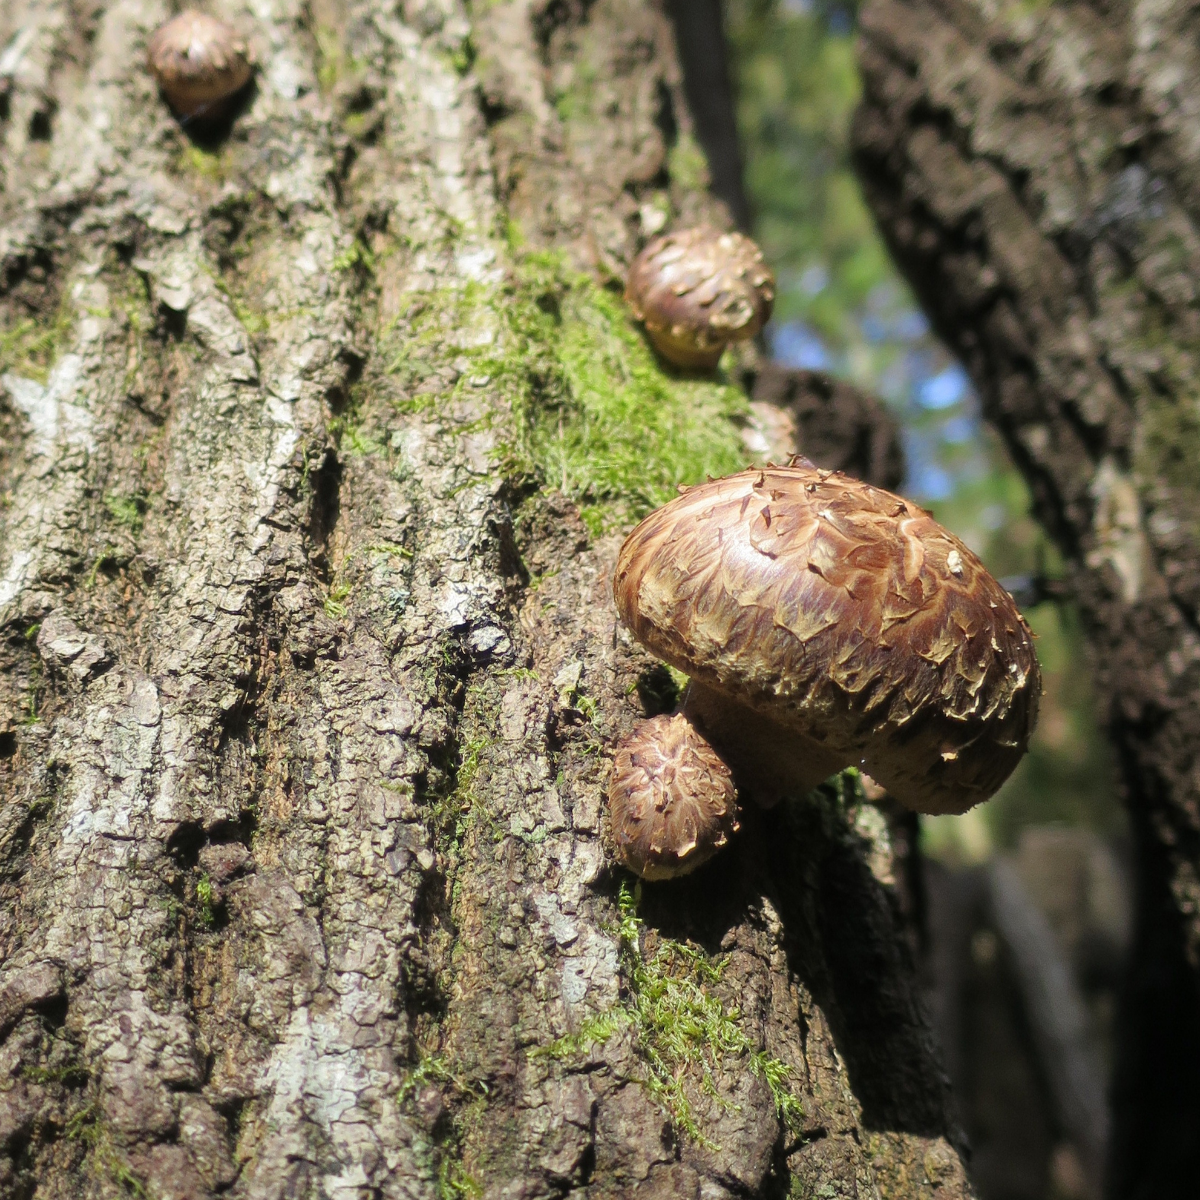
(309, 684)
(1037, 175)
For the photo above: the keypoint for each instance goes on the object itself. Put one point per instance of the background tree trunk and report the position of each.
(1037, 175)
(309, 676)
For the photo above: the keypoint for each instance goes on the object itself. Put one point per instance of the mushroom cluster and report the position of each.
(200, 64)
(697, 290)
(826, 623)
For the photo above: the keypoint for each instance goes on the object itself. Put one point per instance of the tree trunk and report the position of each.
(310, 673)
(1037, 175)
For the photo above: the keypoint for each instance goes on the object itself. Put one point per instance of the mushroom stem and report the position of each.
(769, 760)
(677, 351)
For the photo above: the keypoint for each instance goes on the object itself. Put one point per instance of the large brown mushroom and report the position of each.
(697, 290)
(200, 63)
(826, 623)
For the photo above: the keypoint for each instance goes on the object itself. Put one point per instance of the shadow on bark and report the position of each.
(844, 942)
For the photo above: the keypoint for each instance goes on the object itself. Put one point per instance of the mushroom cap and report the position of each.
(845, 614)
(699, 289)
(198, 61)
(671, 799)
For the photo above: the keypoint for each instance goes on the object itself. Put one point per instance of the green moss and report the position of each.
(205, 898)
(69, 1074)
(608, 425)
(335, 603)
(453, 1180)
(687, 164)
(88, 1127)
(682, 1028)
(253, 321)
(455, 1183)
(462, 57)
(29, 709)
(597, 415)
(29, 348)
(594, 1031)
(127, 510)
(577, 103)
(352, 440)
(1170, 446)
(195, 161)
(334, 65)
(455, 814)
(357, 254)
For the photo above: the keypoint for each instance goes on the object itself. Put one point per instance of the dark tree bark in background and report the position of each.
(700, 33)
(1036, 172)
(308, 683)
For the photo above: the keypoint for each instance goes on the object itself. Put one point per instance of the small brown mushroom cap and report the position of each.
(198, 61)
(699, 289)
(671, 799)
(843, 619)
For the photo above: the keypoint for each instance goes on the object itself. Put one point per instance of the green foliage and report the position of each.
(797, 86)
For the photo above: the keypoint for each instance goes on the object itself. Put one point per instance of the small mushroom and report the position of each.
(671, 799)
(200, 62)
(697, 290)
(826, 623)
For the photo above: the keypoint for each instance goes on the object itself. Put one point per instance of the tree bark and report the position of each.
(700, 35)
(1036, 175)
(309, 675)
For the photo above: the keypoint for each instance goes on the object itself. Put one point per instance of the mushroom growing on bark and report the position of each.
(826, 623)
(200, 63)
(697, 290)
(680, 803)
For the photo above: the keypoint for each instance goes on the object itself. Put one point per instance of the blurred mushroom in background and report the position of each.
(697, 290)
(200, 63)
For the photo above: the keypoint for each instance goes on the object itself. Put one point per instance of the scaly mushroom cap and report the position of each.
(198, 61)
(846, 615)
(698, 290)
(671, 799)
